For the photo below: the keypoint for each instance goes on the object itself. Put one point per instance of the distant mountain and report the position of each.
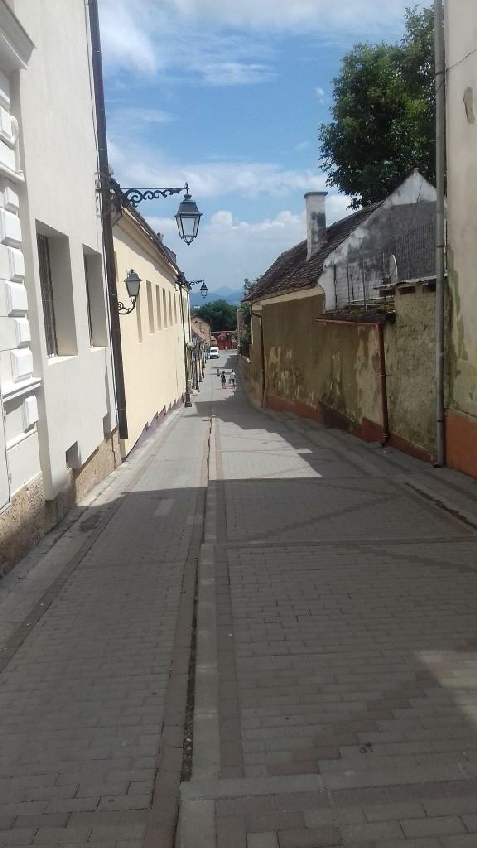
(232, 296)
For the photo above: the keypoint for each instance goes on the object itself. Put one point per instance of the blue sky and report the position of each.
(229, 95)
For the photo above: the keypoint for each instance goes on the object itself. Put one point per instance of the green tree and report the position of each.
(245, 339)
(219, 314)
(383, 114)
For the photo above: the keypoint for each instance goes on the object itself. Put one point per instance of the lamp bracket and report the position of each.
(124, 310)
(134, 196)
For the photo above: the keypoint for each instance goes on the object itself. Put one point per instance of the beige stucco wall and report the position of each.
(461, 40)
(152, 337)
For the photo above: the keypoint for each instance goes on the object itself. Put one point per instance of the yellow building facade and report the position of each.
(154, 336)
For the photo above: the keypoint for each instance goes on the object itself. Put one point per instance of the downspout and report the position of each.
(440, 78)
(384, 389)
(106, 211)
(262, 350)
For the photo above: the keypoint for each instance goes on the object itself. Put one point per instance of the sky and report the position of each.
(228, 95)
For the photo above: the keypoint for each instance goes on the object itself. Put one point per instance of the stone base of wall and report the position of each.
(29, 516)
(461, 442)
(367, 430)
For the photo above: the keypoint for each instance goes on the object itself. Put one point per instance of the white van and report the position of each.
(214, 353)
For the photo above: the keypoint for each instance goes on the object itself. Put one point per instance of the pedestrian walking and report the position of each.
(223, 379)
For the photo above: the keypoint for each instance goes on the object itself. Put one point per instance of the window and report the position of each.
(175, 307)
(88, 301)
(150, 306)
(95, 298)
(170, 309)
(46, 286)
(164, 307)
(138, 318)
(56, 287)
(158, 307)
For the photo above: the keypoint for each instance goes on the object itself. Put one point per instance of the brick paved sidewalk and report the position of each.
(345, 646)
(93, 681)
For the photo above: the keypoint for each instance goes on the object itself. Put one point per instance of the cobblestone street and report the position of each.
(334, 657)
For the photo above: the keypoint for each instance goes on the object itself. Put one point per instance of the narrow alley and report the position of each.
(259, 634)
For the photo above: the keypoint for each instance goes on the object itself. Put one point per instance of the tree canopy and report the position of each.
(219, 314)
(383, 114)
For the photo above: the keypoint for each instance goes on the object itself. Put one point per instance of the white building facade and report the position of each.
(58, 410)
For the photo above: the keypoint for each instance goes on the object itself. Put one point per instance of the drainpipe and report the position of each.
(384, 390)
(262, 350)
(439, 52)
(106, 210)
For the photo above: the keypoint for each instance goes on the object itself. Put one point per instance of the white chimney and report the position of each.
(315, 220)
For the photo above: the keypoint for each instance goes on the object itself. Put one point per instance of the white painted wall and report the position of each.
(53, 102)
(461, 59)
(19, 453)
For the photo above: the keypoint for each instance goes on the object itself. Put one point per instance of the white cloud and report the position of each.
(302, 145)
(210, 179)
(235, 73)
(320, 94)
(183, 36)
(298, 16)
(120, 120)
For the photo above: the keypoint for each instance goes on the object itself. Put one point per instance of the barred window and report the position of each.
(46, 286)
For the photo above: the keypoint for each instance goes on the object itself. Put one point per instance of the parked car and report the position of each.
(214, 353)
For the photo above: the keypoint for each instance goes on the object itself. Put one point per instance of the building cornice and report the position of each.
(12, 391)
(16, 45)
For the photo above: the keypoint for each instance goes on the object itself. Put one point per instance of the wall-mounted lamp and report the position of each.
(133, 284)
(203, 289)
(187, 216)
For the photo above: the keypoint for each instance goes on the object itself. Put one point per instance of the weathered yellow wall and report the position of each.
(330, 370)
(152, 339)
(411, 368)
(315, 363)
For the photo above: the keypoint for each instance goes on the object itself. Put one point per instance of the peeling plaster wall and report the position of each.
(461, 40)
(330, 370)
(411, 367)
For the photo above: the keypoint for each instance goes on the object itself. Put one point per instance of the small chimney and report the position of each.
(315, 220)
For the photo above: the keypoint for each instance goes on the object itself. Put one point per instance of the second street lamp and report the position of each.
(203, 289)
(133, 284)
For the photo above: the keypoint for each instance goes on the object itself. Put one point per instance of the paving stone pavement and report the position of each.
(346, 628)
(336, 660)
(92, 696)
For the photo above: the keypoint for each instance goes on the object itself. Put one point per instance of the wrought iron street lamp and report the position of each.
(133, 284)
(187, 216)
(203, 289)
